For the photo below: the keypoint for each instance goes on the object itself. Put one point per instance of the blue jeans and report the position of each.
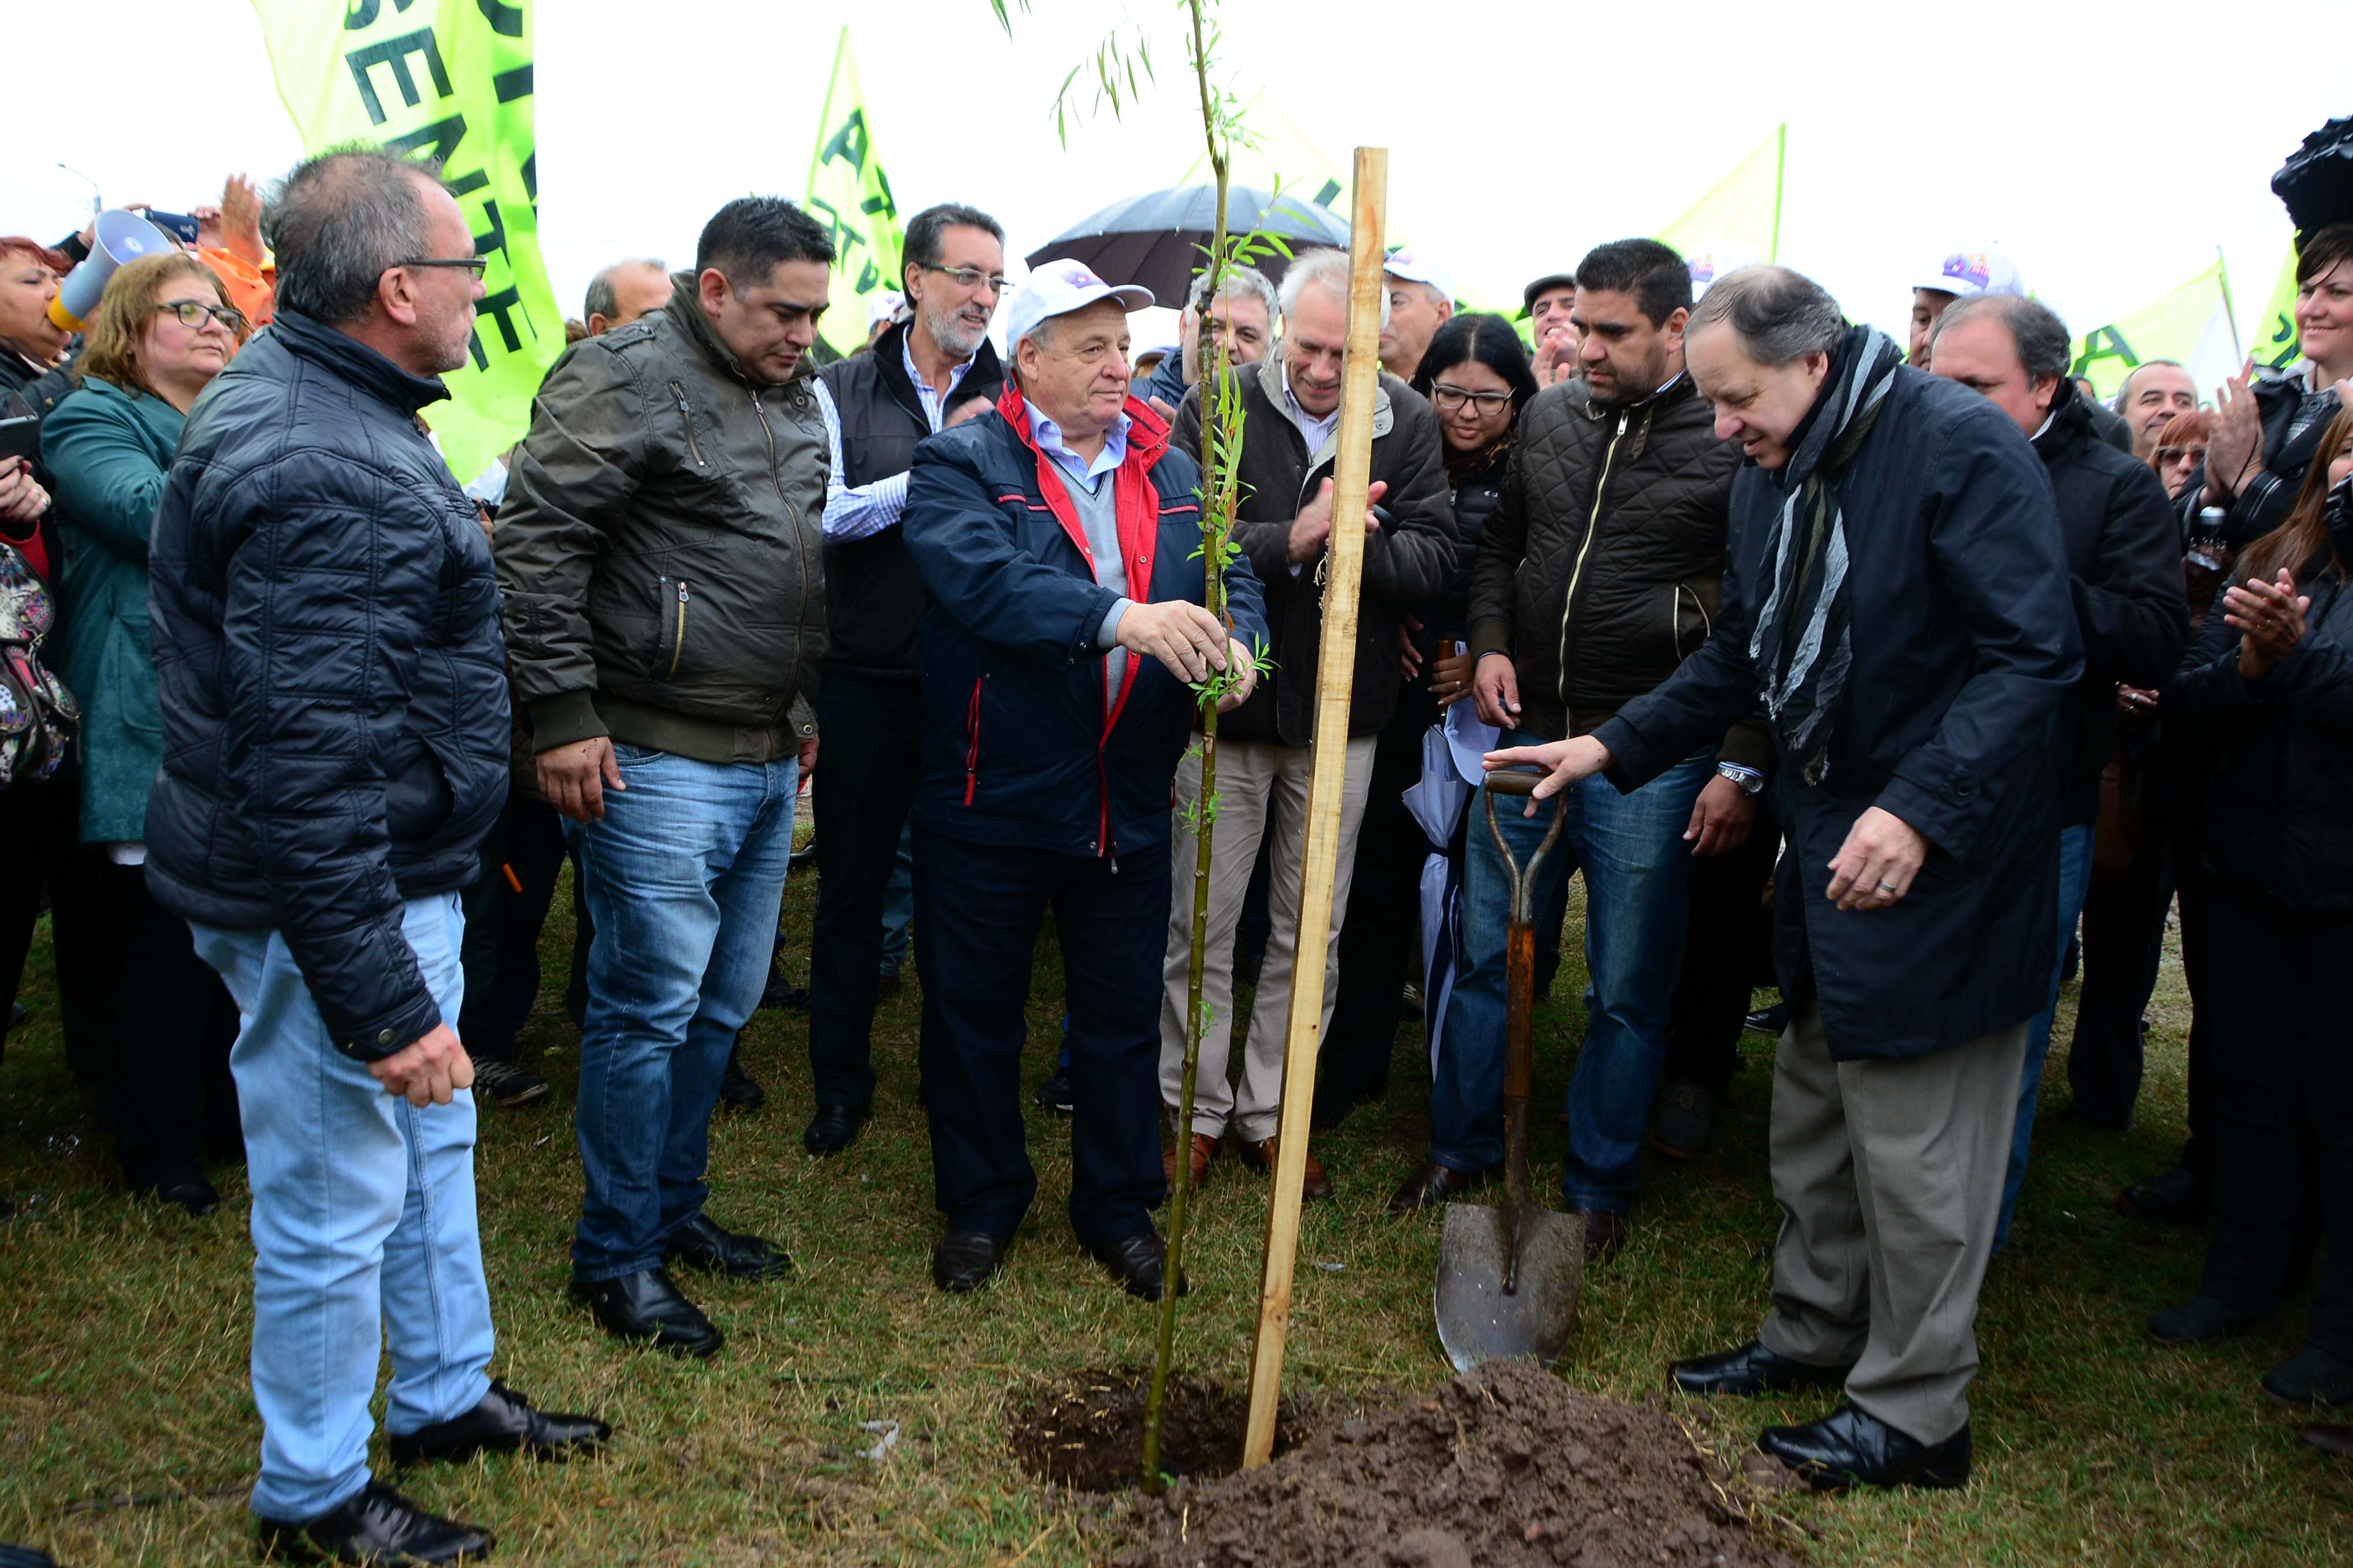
(1637, 872)
(364, 1236)
(685, 872)
(2074, 884)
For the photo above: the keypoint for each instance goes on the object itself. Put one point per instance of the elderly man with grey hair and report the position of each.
(335, 746)
(2124, 573)
(1897, 602)
(1291, 403)
(624, 292)
(1243, 316)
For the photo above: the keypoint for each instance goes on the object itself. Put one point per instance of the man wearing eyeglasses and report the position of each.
(336, 748)
(665, 611)
(1598, 575)
(920, 377)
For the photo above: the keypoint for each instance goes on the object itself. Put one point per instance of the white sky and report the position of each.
(2108, 149)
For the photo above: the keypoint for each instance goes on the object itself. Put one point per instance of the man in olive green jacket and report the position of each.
(661, 553)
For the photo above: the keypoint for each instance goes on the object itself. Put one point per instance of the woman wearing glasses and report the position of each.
(1476, 375)
(161, 331)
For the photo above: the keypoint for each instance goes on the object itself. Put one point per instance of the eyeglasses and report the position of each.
(971, 277)
(194, 314)
(1451, 399)
(477, 265)
(2171, 456)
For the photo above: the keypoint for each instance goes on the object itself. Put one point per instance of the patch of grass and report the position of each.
(127, 1433)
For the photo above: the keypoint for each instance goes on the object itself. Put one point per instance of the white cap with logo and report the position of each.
(1057, 289)
(1967, 272)
(1407, 262)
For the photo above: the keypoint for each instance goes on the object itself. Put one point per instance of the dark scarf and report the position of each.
(1800, 645)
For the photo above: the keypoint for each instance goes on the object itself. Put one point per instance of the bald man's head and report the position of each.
(624, 292)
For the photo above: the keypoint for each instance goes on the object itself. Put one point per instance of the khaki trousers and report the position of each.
(1261, 788)
(1889, 1176)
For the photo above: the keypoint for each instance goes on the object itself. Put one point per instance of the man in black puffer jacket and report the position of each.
(2124, 571)
(1599, 574)
(329, 662)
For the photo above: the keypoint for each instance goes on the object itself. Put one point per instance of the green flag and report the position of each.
(2190, 324)
(449, 79)
(848, 189)
(1742, 212)
(2274, 347)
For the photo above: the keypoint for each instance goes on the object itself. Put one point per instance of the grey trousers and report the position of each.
(1889, 1176)
(1262, 790)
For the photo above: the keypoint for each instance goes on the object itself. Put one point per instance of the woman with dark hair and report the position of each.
(1475, 373)
(2272, 670)
(160, 333)
(2264, 434)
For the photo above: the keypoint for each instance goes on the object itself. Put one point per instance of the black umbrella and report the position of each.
(2318, 181)
(1162, 238)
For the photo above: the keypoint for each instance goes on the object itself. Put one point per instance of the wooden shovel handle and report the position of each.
(1517, 781)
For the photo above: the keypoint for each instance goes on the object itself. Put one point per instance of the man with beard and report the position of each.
(878, 406)
(1609, 531)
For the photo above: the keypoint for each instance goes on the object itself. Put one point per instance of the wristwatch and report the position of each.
(1750, 781)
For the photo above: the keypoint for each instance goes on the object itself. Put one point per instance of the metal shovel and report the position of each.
(1508, 1273)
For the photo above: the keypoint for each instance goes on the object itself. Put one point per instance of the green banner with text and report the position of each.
(849, 193)
(447, 80)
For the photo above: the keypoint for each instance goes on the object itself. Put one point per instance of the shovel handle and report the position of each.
(1517, 781)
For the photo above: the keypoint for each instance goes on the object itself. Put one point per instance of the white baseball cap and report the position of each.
(1407, 262)
(1969, 272)
(1057, 288)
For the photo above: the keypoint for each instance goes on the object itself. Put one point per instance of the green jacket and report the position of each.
(106, 449)
(661, 549)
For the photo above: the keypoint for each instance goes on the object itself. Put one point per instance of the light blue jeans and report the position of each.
(1637, 872)
(364, 1236)
(2074, 885)
(684, 875)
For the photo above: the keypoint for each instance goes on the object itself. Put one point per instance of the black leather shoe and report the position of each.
(1849, 1448)
(965, 1260)
(834, 1128)
(188, 1192)
(376, 1526)
(2310, 1377)
(700, 1244)
(1435, 1184)
(25, 1557)
(2199, 1320)
(1767, 1020)
(502, 1423)
(1605, 1231)
(1752, 1369)
(647, 1307)
(2177, 1197)
(1140, 1264)
(740, 1089)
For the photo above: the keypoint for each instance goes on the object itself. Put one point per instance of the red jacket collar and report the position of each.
(1147, 433)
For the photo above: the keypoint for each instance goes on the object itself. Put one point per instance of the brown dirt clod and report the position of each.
(1505, 1465)
(1086, 1430)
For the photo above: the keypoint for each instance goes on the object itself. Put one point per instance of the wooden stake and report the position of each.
(1335, 674)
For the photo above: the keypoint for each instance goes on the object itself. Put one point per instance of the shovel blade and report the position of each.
(1476, 1320)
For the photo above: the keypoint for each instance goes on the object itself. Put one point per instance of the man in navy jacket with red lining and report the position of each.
(1059, 538)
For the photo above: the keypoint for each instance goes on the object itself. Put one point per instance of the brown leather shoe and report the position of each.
(1435, 1184)
(1317, 1184)
(1605, 1231)
(2329, 1438)
(1204, 1149)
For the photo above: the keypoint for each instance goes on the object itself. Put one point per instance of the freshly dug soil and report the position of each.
(1505, 1465)
(1087, 1430)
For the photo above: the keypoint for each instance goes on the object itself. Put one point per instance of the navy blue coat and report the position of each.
(330, 671)
(1018, 746)
(1965, 644)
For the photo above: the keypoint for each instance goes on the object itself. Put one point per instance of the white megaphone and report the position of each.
(116, 237)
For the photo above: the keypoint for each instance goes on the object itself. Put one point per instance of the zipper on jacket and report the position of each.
(972, 742)
(678, 390)
(800, 559)
(1577, 571)
(678, 645)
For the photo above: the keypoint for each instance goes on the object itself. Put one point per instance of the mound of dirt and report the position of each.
(1506, 1465)
(1087, 1430)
